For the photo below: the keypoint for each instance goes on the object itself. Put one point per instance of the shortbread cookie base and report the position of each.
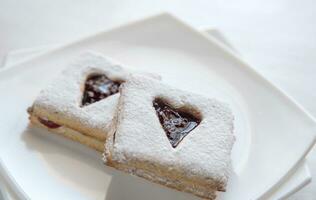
(201, 165)
(154, 173)
(71, 134)
(158, 174)
(61, 100)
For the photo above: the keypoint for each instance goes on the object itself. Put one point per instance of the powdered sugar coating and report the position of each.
(203, 155)
(61, 100)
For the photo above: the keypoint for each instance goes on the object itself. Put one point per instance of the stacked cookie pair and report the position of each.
(143, 127)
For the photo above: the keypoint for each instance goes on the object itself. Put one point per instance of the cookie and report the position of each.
(80, 103)
(172, 137)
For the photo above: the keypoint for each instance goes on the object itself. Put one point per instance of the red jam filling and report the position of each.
(177, 124)
(48, 123)
(98, 87)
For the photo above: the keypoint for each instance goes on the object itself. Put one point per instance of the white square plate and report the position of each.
(295, 181)
(268, 124)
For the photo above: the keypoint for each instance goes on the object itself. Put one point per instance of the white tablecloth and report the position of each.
(277, 37)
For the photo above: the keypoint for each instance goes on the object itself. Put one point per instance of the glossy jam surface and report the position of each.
(177, 124)
(48, 123)
(98, 87)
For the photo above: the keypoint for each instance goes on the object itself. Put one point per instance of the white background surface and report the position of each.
(277, 37)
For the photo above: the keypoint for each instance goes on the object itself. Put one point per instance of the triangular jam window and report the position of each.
(176, 123)
(98, 87)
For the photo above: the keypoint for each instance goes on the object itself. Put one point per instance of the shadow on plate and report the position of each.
(70, 162)
(126, 187)
(83, 167)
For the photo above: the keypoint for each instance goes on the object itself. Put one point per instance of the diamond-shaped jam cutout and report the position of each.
(98, 87)
(176, 123)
